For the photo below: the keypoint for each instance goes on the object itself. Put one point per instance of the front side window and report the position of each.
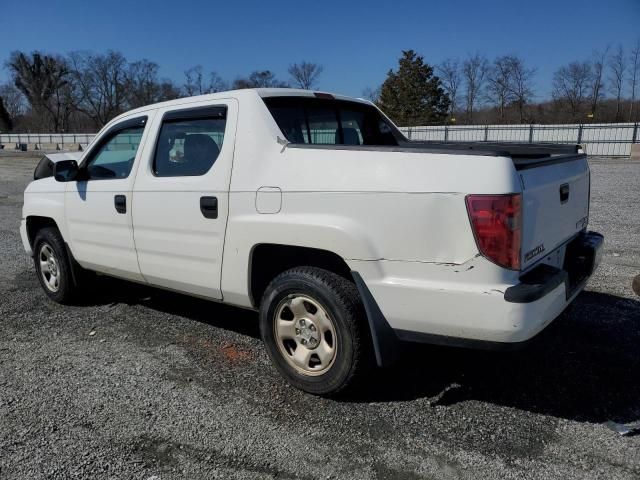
(323, 121)
(114, 157)
(189, 146)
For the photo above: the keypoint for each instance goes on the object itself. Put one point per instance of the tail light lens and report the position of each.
(496, 221)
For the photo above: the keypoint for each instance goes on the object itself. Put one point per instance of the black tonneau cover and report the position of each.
(512, 149)
(524, 155)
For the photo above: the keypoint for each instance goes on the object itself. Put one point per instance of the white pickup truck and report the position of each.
(315, 210)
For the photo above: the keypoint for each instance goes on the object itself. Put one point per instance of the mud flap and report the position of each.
(385, 340)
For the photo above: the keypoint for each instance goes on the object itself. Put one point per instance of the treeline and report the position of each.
(82, 91)
(603, 88)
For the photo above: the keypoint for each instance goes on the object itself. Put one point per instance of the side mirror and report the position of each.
(66, 170)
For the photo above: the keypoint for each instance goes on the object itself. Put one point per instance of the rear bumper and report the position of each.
(582, 256)
(472, 305)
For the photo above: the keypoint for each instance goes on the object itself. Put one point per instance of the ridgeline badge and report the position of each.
(535, 252)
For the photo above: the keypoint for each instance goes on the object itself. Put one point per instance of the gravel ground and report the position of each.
(173, 387)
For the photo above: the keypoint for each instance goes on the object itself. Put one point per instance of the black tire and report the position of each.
(49, 237)
(339, 298)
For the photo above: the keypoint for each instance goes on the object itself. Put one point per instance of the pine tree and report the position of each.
(413, 95)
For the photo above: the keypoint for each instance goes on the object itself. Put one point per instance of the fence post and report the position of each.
(579, 135)
(486, 133)
(409, 133)
(531, 133)
(634, 138)
(446, 133)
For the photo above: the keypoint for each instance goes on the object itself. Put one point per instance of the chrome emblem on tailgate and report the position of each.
(535, 252)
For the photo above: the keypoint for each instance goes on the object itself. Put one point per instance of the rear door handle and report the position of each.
(120, 202)
(564, 193)
(209, 207)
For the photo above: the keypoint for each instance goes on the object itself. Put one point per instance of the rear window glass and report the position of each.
(321, 121)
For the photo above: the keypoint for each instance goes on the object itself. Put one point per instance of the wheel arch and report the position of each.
(267, 260)
(35, 223)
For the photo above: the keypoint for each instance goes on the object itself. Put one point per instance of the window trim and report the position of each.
(105, 138)
(193, 113)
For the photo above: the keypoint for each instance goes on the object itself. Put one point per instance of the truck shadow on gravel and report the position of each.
(112, 290)
(583, 367)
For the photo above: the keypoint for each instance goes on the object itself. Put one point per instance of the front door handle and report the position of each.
(209, 207)
(120, 202)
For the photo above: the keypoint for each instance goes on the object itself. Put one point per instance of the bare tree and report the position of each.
(634, 75)
(143, 86)
(520, 83)
(597, 70)
(196, 85)
(474, 70)
(100, 83)
(305, 74)
(498, 89)
(451, 77)
(193, 84)
(44, 81)
(141, 81)
(6, 123)
(216, 83)
(572, 86)
(618, 66)
(14, 100)
(259, 79)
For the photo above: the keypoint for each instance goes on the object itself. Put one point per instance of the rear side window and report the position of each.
(189, 142)
(323, 121)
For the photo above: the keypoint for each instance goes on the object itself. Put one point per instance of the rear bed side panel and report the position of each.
(456, 302)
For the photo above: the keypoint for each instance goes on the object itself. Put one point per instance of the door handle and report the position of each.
(120, 202)
(209, 207)
(564, 193)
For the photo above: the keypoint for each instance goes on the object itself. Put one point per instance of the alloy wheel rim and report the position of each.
(49, 268)
(305, 334)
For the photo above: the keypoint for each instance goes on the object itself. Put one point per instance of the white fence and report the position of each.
(608, 139)
(13, 139)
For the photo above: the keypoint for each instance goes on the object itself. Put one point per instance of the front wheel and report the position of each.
(53, 266)
(312, 323)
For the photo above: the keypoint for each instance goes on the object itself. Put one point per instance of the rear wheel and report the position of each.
(53, 266)
(313, 326)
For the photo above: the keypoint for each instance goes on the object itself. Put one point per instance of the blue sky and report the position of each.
(355, 42)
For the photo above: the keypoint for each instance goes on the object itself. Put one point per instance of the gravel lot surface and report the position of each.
(141, 383)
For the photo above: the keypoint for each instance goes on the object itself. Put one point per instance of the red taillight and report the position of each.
(497, 225)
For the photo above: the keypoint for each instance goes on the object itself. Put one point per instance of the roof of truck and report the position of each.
(246, 92)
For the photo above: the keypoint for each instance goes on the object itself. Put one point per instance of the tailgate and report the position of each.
(555, 205)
